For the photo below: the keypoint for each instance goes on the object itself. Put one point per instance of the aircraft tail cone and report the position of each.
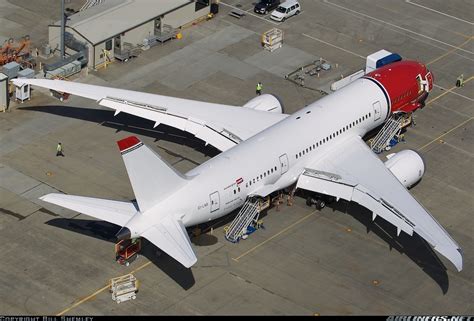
(123, 234)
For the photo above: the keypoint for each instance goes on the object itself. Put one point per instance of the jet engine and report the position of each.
(266, 102)
(408, 167)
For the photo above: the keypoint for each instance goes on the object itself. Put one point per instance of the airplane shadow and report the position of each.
(129, 123)
(106, 231)
(415, 247)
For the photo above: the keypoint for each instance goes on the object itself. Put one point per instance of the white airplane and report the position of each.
(319, 148)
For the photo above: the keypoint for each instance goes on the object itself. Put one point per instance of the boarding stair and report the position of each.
(390, 129)
(247, 215)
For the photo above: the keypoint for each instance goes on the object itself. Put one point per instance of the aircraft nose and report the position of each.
(123, 234)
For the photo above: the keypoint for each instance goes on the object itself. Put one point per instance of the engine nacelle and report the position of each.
(408, 167)
(266, 102)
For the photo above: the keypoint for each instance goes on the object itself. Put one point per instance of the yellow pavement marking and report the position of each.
(448, 91)
(271, 238)
(449, 131)
(450, 52)
(87, 298)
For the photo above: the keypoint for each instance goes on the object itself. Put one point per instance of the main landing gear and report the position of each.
(319, 201)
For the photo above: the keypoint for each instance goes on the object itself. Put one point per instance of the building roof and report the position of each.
(112, 17)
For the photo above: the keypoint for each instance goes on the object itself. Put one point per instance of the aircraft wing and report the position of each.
(353, 172)
(222, 126)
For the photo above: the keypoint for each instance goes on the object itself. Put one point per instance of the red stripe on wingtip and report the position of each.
(127, 142)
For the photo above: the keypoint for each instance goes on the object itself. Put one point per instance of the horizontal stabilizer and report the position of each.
(170, 236)
(115, 212)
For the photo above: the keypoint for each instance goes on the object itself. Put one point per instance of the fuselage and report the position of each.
(274, 158)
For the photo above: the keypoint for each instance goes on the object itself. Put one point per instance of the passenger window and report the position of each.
(288, 10)
(238, 189)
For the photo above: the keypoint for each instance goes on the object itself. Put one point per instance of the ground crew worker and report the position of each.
(259, 88)
(460, 81)
(59, 150)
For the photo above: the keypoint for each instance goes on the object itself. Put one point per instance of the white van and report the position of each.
(286, 10)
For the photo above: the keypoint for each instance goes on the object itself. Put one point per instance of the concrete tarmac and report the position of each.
(305, 262)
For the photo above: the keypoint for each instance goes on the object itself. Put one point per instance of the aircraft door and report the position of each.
(377, 107)
(284, 163)
(215, 200)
